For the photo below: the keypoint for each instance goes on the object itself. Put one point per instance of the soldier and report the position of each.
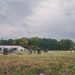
(38, 51)
(34, 50)
(5, 51)
(30, 51)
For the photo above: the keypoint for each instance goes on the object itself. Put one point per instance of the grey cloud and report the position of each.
(68, 6)
(42, 18)
(20, 8)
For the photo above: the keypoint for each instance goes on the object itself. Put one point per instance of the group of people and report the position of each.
(31, 51)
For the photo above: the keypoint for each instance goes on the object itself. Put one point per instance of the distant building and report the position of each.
(12, 47)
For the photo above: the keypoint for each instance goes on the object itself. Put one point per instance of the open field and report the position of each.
(52, 63)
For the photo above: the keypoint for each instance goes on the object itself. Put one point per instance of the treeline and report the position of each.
(42, 43)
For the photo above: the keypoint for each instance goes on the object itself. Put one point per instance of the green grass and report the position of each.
(52, 63)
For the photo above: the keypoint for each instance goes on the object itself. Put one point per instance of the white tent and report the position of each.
(14, 47)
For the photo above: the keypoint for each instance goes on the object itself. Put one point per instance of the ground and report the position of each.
(48, 63)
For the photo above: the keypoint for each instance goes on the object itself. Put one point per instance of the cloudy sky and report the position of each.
(42, 18)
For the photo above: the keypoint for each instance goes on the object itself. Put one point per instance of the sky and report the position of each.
(37, 18)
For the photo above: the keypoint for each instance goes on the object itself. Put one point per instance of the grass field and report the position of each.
(50, 63)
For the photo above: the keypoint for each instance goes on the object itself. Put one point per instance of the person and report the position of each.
(34, 50)
(38, 51)
(5, 51)
(30, 51)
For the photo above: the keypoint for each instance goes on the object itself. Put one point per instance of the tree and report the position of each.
(42, 43)
(66, 44)
(17, 41)
(24, 42)
(10, 42)
(34, 41)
